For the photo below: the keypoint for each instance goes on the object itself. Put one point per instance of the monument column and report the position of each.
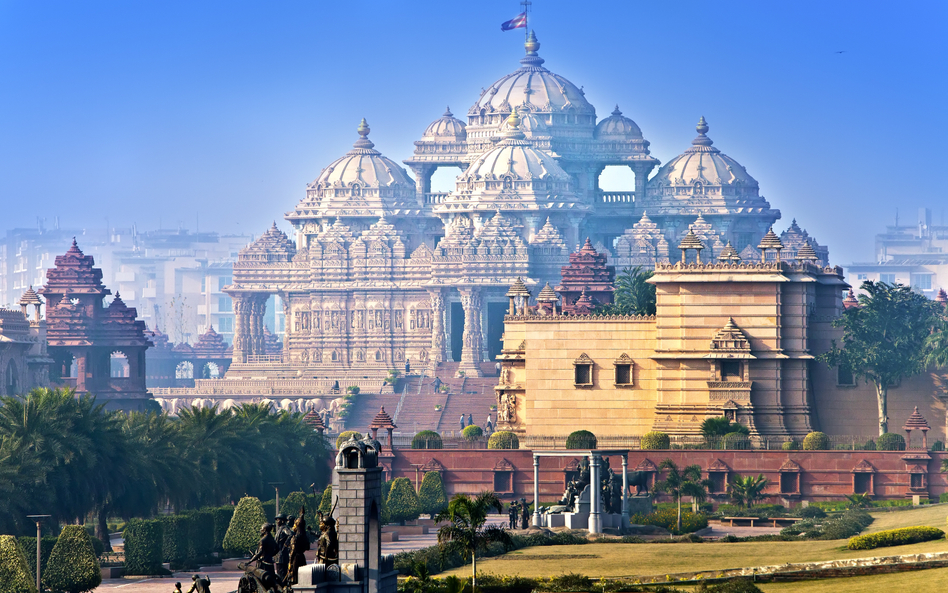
(438, 350)
(595, 485)
(241, 329)
(536, 491)
(471, 350)
(625, 490)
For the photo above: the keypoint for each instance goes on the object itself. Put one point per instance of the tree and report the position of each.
(937, 342)
(72, 565)
(431, 496)
(244, 530)
(402, 501)
(325, 502)
(885, 338)
(712, 429)
(465, 529)
(747, 490)
(858, 501)
(14, 573)
(633, 294)
(681, 483)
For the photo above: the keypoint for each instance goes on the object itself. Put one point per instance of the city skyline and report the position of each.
(223, 115)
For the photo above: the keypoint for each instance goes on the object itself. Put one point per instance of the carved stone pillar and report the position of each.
(471, 351)
(438, 343)
(241, 328)
(572, 234)
(532, 224)
(255, 319)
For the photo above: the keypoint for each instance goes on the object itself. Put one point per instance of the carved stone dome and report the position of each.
(514, 158)
(618, 127)
(702, 163)
(363, 166)
(445, 128)
(534, 86)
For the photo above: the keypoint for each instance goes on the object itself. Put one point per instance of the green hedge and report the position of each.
(402, 501)
(143, 547)
(28, 545)
(174, 537)
(325, 501)
(200, 535)
(816, 441)
(841, 526)
(503, 439)
(292, 503)
(344, 436)
(431, 496)
(891, 441)
(472, 432)
(14, 572)
(791, 446)
(243, 534)
(581, 439)
(72, 565)
(426, 439)
(668, 519)
(269, 509)
(895, 537)
(222, 516)
(655, 440)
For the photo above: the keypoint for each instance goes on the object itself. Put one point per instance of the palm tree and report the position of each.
(858, 501)
(937, 344)
(747, 490)
(712, 429)
(465, 529)
(680, 483)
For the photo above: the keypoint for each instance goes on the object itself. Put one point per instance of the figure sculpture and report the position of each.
(299, 545)
(283, 537)
(327, 547)
(266, 550)
(199, 585)
(513, 513)
(524, 514)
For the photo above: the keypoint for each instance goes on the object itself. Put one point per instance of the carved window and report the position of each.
(508, 183)
(731, 370)
(844, 377)
(917, 481)
(378, 356)
(789, 483)
(623, 366)
(583, 371)
(356, 191)
(717, 482)
(862, 483)
(503, 481)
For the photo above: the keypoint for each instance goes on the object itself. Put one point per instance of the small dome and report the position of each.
(446, 128)
(530, 125)
(516, 158)
(533, 85)
(617, 127)
(703, 163)
(363, 166)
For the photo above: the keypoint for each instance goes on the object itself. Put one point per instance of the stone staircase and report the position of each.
(475, 396)
(367, 406)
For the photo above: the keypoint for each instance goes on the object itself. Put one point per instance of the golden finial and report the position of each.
(513, 120)
(363, 128)
(532, 45)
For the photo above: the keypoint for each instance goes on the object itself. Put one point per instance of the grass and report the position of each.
(623, 560)
(935, 579)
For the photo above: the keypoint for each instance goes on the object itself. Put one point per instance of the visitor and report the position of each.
(462, 421)
(490, 425)
(470, 419)
(497, 368)
(407, 367)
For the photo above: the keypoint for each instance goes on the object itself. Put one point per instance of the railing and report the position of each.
(436, 197)
(264, 358)
(616, 197)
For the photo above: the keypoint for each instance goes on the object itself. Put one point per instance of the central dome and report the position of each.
(534, 87)
(514, 158)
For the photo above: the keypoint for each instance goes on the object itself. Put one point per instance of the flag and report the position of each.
(518, 22)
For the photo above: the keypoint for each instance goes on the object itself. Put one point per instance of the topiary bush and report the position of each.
(222, 516)
(791, 446)
(402, 501)
(200, 540)
(938, 446)
(344, 436)
(472, 433)
(426, 439)
(431, 496)
(655, 440)
(243, 534)
(581, 439)
(292, 503)
(816, 441)
(28, 545)
(174, 548)
(14, 572)
(895, 537)
(812, 512)
(735, 440)
(869, 446)
(325, 503)
(143, 546)
(503, 439)
(72, 565)
(891, 441)
(668, 519)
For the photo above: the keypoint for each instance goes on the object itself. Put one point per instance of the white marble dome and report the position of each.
(702, 163)
(618, 127)
(362, 166)
(514, 157)
(530, 124)
(534, 86)
(446, 128)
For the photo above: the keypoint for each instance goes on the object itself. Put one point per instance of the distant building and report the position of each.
(915, 255)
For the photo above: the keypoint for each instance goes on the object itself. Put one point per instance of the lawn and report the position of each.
(935, 579)
(625, 560)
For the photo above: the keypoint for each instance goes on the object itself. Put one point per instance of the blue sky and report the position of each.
(147, 111)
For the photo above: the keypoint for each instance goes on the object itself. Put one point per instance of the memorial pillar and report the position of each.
(625, 490)
(438, 349)
(595, 484)
(471, 349)
(536, 491)
(241, 329)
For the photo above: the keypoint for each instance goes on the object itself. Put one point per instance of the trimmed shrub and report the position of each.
(243, 534)
(891, 441)
(343, 437)
(472, 433)
(668, 519)
(143, 545)
(426, 439)
(895, 537)
(402, 501)
(222, 516)
(28, 545)
(431, 496)
(812, 512)
(655, 440)
(72, 565)
(938, 446)
(14, 572)
(174, 532)
(842, 526)
(325, 503)
(269, 509)
(292, 503)
(816, 441)
(200, 534)
(735, 586)
(735, 440)
(869, 446)
(581, 439)
(503, 439)
(791, 446)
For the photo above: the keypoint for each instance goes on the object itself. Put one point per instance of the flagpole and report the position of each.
(526, 19)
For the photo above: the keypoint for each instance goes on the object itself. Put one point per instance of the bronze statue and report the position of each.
(299, 545)
(177, 588)
(327, 547)
(199, 585)
(513, 513)
(283, 538)
(266, 550)
(524, 514)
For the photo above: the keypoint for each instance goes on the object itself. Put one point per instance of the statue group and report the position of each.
(519, 514)
(610, 487)
(273, 567)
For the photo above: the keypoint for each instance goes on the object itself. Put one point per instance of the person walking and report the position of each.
(470, 419)
(490, 425)
(462, 421)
